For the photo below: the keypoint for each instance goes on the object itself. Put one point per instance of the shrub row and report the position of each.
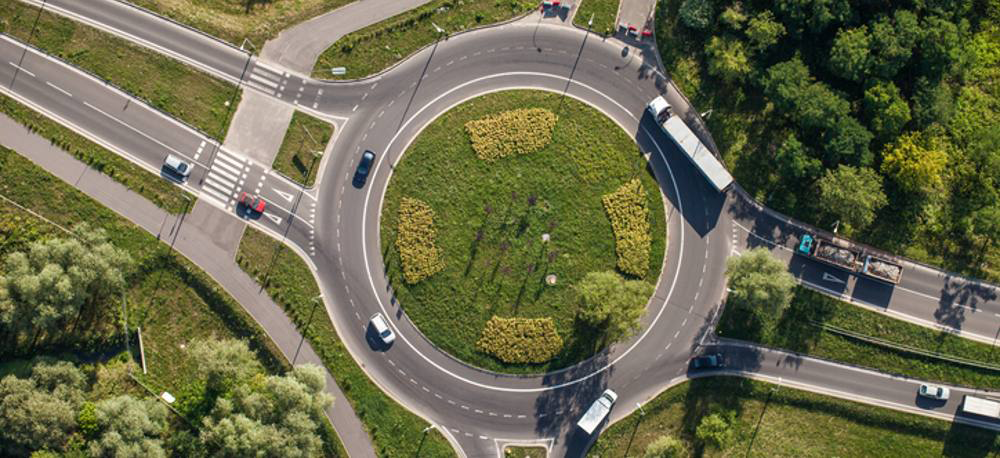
(521, 340)
(519, 131)
(629, 217)
(421, 258)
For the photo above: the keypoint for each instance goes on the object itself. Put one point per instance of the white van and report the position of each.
(177, 166)
(597, 411)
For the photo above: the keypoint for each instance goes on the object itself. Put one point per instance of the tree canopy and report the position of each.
(759, 282)
(39, 412)
(852, 195)
(129, 428)
(613, 304)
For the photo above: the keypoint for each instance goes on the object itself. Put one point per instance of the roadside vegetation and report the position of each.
(379, 46)
(233, 21)
(297, 158)
(161, 192)
(394, 431)
(167, 84)
(524, 235)
(215, 352)
(604, 13)
(524, 452)
(729, 416)
(882, 117)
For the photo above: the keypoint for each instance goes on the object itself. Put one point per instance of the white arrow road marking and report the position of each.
(276, 219)
(286, 195)
(829, 277)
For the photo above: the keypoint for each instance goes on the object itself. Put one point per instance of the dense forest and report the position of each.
(880, 118)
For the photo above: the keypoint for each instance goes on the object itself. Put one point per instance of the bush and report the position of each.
(716, 430)
(519, 131)
(521, 340)
(420, 256)
(666, 447)
(626, 208)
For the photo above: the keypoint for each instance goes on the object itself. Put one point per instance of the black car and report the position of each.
(364, 166)
(711, 361)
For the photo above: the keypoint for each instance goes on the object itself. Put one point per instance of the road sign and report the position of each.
(339, 70)
(828, 277)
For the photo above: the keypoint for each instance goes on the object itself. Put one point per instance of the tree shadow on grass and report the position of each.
(970, 442)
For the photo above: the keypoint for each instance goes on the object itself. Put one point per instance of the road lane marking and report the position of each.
(119, 121)
(53, 86)
(21, 69)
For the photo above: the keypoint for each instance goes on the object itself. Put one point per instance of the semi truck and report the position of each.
(981, 406)
(597, 412)
(841, 253)
(689, 143)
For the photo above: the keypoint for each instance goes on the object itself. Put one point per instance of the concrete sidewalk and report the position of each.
(209, 238)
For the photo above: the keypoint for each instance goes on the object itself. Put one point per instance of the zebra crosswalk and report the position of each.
(225, 179)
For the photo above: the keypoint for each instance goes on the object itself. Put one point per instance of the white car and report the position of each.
(934, 392)
(178, 167)
(382, 328)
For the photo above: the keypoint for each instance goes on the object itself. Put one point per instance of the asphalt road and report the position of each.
(480, 409)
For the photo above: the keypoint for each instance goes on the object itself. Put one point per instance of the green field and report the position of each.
(181, 91)
(797, 330)
(511, 202)
(395, 431)
(296, 158)
(377, 47)
(774, 421)
(604, 13)
(524, 452)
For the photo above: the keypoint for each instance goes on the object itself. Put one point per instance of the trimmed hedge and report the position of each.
(626, 208)
(521, 340)
(512, 132)
(420, 256)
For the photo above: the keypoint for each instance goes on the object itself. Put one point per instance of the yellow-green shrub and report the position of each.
(520, 340)
(626, 208)
(421, 258)
(519, 131)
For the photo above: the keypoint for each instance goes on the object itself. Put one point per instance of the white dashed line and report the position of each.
(53, 86)
(21, 69)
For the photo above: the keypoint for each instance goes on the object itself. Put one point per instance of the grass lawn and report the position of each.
(305, 135)
(776, 421)
(604, 13)
(395, 431)
(524, 452)
(234, 20)
(185, 93)
(171, 299)
(503, 273)
(377, 47)
(795, 331)
(159, 191)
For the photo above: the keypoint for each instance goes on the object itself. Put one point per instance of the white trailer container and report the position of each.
(981, 407)
(597, 411)
(690, 144)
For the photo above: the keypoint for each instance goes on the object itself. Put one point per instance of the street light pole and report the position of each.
(229, 112)
(316, 300)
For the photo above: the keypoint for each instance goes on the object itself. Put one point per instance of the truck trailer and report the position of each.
(690, 144)
(981, 406)
(843, 254)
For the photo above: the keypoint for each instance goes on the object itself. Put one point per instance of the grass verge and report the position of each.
(490, 217)
(179, 90)
(604, 13)
(295, 158)
(377, 47)
(172, 300)
(159, 191)
(777, 421)
(797, 330)
(233, 21)
(395, 431)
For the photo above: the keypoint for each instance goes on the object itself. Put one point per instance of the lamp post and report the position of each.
(229, 105)
(315, 301)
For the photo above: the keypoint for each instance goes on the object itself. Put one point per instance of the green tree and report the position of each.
(224, 363)
(733, 16)
(39, 412)
(129, 428)
(892, 42)
(613, 304)
(696, 14)
(847, 141)
(727, 59)
(813, 16)
(916, 165)
(852, 195)
(849, 56)
(759, 283)
(941, 45)
(86, 420)
(933, 102)
(794, 162)
(274, 416)
(666, 446)
(763, 31)
(716, 431)
(886, 109)
(809, 103)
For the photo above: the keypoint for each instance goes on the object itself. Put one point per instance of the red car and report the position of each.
(252, 203)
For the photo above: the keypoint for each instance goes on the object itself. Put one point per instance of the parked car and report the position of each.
(176, 168)
(364, 166)
(381, 327)
(710, 361)
(252, 203)
(934, 392)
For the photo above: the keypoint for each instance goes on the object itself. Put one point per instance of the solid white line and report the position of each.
(53, 86)
(22, 69)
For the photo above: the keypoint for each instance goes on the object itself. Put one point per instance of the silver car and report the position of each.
(177, 166)
(382, 328)
(934, 392)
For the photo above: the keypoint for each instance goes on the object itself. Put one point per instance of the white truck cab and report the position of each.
(659, 108)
